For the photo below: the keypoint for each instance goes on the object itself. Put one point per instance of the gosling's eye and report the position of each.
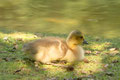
(81, 37)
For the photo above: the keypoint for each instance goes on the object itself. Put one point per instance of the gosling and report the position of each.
(49, 49)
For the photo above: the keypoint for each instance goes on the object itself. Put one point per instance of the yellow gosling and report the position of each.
(51, 49)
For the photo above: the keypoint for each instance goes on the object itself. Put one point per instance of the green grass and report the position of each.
(104, 64)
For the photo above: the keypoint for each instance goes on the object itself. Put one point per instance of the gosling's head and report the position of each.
(76, 38)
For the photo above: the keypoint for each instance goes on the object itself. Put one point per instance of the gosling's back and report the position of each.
(46, 50)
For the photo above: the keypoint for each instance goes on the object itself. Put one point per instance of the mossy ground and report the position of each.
(103, 55)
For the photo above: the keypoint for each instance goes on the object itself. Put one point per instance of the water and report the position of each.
(92, 17)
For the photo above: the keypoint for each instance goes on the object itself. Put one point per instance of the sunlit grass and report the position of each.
(16, 35)
(101, 60)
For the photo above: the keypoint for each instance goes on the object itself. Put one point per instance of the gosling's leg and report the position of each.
(58, 65)
(68, 68)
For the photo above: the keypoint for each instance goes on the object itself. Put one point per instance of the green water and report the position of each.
(93, 17)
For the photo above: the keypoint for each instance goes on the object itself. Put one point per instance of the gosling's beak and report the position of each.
(85, 42)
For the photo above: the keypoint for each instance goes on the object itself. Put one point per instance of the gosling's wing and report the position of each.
(34, 46)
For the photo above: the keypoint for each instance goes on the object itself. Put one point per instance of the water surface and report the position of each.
(92, 17)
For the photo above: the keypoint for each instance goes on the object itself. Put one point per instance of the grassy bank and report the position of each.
(103, 55)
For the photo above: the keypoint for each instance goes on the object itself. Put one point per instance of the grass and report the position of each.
(103, 55)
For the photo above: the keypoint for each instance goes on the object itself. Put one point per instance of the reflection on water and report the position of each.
(94, 17)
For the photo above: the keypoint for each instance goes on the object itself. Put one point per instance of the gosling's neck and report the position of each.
(71, 44)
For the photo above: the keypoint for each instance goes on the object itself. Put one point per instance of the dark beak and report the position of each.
(85, 42)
